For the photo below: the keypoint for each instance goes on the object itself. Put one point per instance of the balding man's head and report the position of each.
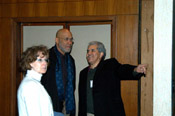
(64, 41)
(61, 32)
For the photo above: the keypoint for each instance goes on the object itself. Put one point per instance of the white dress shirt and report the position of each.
(33, 100)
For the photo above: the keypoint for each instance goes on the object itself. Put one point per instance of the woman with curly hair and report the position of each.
(33, 99)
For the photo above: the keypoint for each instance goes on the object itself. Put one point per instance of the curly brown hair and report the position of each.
(30, 55)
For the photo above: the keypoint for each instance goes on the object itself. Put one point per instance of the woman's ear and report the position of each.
(31, 65)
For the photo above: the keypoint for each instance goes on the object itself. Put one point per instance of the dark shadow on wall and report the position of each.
(173, 63)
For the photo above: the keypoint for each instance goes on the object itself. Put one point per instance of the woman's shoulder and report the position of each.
(29, 84)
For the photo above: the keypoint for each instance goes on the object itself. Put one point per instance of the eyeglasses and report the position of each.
(91, 50)
(69, 39)
(42, 60)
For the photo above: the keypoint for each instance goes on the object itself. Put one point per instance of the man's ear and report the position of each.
(101, 54)
(56, 40)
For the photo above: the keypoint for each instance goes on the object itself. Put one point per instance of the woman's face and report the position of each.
(40, 64)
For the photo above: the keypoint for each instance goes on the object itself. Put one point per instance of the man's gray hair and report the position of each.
(100, 47)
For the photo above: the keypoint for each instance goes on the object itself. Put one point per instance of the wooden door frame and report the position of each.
(17, 44)
(112, 19)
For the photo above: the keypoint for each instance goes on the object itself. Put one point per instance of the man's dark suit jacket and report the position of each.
(106, 88)
(49, 82)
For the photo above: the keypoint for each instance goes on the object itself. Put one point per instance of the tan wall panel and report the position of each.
(5, 70)
(74, 9)
(147, 57)
(0, 10)
(42, 10)
(89, 7)
(37, 8)
(42, 0)
(8, 1)
(26, 10)
(127, 53)
(23, 1)
(94, 8)
(127, 39)
(9, 10)
(114, 7)
(56, 9)
(147, 0)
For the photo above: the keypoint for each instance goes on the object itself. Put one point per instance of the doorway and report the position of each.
(83, 33)
(123, 33)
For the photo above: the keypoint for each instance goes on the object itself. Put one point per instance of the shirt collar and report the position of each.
(33, 74)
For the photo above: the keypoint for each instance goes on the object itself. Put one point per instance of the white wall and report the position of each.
(162, 87)
(37, 35)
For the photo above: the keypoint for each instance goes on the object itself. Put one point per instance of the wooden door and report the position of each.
(127, 53)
